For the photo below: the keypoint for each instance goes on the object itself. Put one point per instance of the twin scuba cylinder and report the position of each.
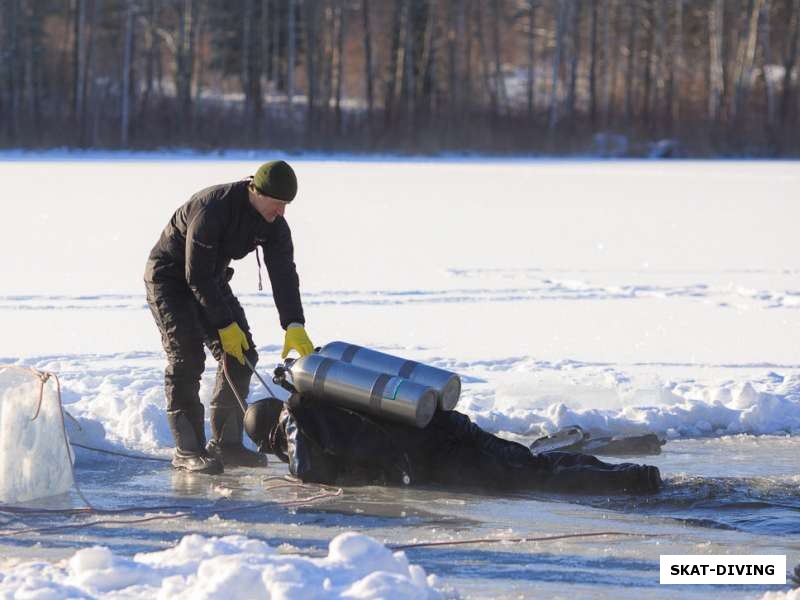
(446, 384)
(378, 384)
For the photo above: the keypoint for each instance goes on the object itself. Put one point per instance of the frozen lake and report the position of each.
(620, 296)
(722, 496)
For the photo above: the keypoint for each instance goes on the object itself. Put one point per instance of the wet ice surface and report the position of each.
(721, 496)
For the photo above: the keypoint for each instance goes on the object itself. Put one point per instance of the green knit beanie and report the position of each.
(277, 179)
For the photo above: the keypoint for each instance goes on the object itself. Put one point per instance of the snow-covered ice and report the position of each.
(230, 567)
(621, 296)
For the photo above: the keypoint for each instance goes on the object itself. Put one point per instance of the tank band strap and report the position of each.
(376, 396)
(349, 353)
(318, 385)
(407, 368)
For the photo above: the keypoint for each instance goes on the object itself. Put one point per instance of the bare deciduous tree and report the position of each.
(339, 60)
(499, 83)
(393, 65)
(531, 37)
(609, 62)
(593, 52)
(633, 25)
(766, 65)
(368, 68)
(290, 54)
(790, 58)
(716, 75)
(745, 57)
(126, 74)
(80, 61)
(560, 9)
(575, 57)
(676, 67)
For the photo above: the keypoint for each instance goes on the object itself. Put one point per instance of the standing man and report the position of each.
(187, 280)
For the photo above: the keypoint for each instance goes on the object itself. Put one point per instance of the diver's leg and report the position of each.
(464, 432)
(491, 460)
(461, 453)
(582, 473)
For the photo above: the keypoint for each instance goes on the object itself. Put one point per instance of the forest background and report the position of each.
(558, 77)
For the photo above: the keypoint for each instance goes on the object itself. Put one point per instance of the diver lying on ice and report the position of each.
(409, 441)
(329, 444)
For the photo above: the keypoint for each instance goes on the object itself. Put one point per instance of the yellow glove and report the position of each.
(296, 339)
(234, 341)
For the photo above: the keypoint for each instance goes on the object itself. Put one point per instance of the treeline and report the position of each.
(703, 77)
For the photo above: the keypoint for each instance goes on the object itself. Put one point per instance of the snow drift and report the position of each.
(230, 567)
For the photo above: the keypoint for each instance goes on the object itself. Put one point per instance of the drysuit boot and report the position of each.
(190, 453)
(226, 443)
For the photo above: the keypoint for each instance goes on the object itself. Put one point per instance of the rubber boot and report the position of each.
(226, 442)
(190, 453)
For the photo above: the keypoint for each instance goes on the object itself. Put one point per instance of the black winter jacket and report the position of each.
(218, 224)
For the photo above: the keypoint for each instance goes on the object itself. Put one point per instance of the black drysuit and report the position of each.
(327, 444)
(187, 277)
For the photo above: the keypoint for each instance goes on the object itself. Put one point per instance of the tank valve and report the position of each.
(279, 378)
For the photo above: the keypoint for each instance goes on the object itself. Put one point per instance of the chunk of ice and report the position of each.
(34, 456)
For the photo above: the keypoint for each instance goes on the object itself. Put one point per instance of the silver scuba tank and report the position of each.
(446, 383)
(360, 389)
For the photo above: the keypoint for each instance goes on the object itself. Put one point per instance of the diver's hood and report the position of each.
(260, 420)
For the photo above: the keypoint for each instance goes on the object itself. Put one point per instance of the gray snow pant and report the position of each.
(184, 330)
